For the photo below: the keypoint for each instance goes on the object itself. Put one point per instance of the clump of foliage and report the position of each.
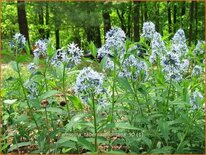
(142, 97)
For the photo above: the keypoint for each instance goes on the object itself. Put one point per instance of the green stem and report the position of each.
(47, 124)
(47, 121)
(113, 102)
(167, 103)
(136, 97)
(25, 96)
(64, 90)
(16, 143)
(182, 140)
(95, 123)
(45, 79)
(113, 92)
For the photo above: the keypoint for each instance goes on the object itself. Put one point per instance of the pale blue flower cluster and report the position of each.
(173, 62)
(148, 30)
(32, 88)
(173, 66)
(74, 53)
(157, 44)
(199, 48)
(89, 83)
(194, 98)
(18, 42)
(41, 48)
(115, 37)
(132, 68)
(115, 40)
(179, 43)
(32, 67)
(109, 64)
(104, 51)
(71, 55)
(158, 47)
(197, 70)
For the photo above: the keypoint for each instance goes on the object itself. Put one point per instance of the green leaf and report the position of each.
(147, 141)
(86, 144)
(74, 121)
(18, 145)
(116, 152)
(106, 126)
(165, 150)
(22, 58)
(164, 129)
(48, 94)
(27, 49)
(59, 70)
(36, 60)
(66, 150)
(103, 61)
(50, 50)
(124, 83)
(76, 102)
(66, 142)
(55, 110)
(93, 49)
(10, 101)
(126, 125)
(14, 66)
(142, 90)
(36, 76)
(35, 103)
(22, 118)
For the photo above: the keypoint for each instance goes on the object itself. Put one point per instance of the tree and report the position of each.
(183, 12)
(157, 16)
(120, 14)
(169, 17)
(41, 20)
(145, 11)
(64, 22)
(107, 21)
(191, 22)
(22, 20)
(47, 20)
(93, 34)
(136, 21)
(129, 20)
(196, 20)
(174, 17)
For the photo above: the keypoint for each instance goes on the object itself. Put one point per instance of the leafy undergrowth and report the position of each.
(131, 97)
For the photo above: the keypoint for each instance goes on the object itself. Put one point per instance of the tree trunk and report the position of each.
(169, 17)
(122, 21)
(183, 13)
(77, 37)
(41, 20)
(22, 20)
(174, 18)
(183, 9)
(141, 13)
(129, 21)
(145, 11)
(47, 21)
(191, 21)
(107, 22)
(196, 20)
(93, 34)
(97, 36)
(157, 17)
(57, 38)
(136, 21)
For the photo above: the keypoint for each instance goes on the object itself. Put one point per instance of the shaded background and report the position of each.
(82, 22)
